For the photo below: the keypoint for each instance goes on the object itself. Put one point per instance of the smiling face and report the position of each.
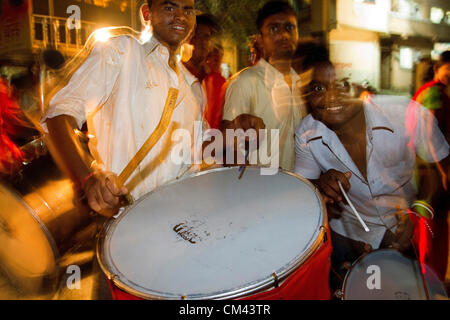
(328, 100)
(172, 21)
(279, 36)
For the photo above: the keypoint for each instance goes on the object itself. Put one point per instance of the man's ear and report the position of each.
(144, 13)
(259, 43)
(259, 40)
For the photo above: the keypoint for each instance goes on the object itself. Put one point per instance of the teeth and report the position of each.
(335, 108)
(178, 28)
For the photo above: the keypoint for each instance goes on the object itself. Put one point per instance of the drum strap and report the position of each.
(154, 137)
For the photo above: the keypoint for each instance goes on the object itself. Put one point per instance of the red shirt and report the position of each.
(214, 107)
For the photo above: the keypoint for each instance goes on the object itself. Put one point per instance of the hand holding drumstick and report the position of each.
(335, 184)
(104, 190)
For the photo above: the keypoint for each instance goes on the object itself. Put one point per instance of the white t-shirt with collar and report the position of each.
(262, 91)
(120, 91)
(396, 131)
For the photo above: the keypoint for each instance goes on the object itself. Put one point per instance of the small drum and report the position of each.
(212, 236)
(399, 278)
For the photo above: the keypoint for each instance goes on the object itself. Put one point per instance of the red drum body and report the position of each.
(212, 236)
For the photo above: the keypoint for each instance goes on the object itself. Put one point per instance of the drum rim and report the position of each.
(269, 283)
(30, 210)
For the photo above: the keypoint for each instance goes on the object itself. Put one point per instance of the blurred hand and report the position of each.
(403, 234)
(103, 193)
(248, 121)
(328, 185)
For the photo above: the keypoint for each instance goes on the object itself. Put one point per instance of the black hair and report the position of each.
(309, 53)
(271, 8)
(443, 59)
(210, 21)
(53, 58)
(149, 2)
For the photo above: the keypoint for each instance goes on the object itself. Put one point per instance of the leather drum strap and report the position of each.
(169, 107)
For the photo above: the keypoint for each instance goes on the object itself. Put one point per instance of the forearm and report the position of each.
(67, 148)
(431, 183)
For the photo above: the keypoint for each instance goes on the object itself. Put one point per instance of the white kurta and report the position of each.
(120, 91)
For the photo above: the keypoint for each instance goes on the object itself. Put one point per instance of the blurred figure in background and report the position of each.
(201, 42)
(214, 82)
(11, 122)
(267, 95)
(435, 96)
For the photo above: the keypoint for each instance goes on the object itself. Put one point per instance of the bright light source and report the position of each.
(436, 15)
(146, 34)
(102, 35)
(186, 52)
(406, 58)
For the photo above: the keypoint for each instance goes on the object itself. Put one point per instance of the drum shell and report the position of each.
(49, 197)
(52, 197)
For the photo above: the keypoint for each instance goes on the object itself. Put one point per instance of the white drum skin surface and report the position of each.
(212, 235)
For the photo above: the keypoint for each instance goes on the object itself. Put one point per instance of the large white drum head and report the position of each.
(213, 236)
(400, 279)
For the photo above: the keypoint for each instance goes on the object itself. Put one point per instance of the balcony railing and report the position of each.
(53, 31)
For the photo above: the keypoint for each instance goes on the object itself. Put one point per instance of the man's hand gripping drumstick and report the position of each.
(333, 184)
(105, 191)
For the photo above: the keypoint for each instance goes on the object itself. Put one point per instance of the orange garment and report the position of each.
(10, 122)
(214, 107)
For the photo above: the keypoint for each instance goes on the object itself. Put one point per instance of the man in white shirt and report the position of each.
(120, 91)
(267, 95)
(206, 28)
(369, 147)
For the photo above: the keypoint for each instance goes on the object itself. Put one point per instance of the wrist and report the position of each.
(423, 208)
(87, 178)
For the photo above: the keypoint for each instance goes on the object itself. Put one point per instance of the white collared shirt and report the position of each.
(120, 91)
(262, 91)
(395, 133)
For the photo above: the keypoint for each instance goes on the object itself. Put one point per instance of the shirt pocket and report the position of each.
(390, 149)
(394, 160)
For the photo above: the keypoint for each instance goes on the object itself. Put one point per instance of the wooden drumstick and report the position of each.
(169, 107)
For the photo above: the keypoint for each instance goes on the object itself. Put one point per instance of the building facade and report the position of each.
(28, 27)
(384, 42)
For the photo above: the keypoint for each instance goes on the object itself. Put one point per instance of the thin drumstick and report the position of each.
(353, 207)
(154, 137)
(242, 168)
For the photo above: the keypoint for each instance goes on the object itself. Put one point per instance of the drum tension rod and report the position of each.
(325, 234)
(275, 280)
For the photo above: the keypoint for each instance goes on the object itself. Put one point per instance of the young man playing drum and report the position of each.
(369, 147)
(267, 95)
(120, 92)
